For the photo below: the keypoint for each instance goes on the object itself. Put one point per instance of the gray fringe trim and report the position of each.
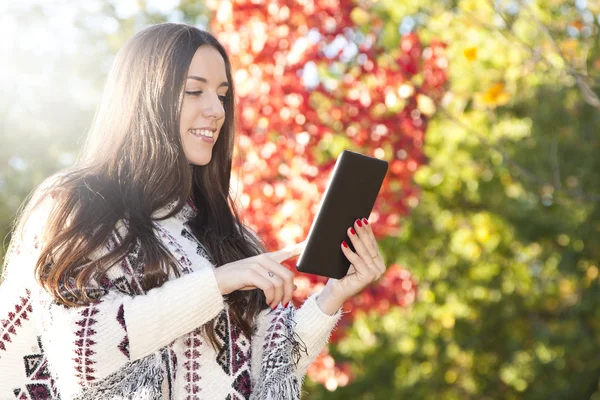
(138, 380)
(277, 379)
(288, 388)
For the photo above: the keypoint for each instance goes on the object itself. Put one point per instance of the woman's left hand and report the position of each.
(366, 267)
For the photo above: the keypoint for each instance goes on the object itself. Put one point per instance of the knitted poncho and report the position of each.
(134, 344)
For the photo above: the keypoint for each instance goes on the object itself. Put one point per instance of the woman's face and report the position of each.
(202, 112)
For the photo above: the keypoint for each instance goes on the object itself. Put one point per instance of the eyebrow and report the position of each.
(201, 79)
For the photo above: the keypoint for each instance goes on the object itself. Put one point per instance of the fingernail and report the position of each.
(352, 231)
(344, 243)
(286, 304)
(365, 221)
(358, 222)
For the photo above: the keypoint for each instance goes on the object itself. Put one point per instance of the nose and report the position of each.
(214, 108)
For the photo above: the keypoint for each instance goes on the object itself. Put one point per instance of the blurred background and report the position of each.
(488, 114)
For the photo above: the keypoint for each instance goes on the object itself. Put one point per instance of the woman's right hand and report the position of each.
(264, 272)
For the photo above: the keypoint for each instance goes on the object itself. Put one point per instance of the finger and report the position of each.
(262, 269)
(365, 233)
(252, 287)
(258, 280)
(288, 252)
(361, 249)
(367, 226)
(363, 270)
(284, 274)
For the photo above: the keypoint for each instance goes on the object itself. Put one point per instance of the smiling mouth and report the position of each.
(202, 132)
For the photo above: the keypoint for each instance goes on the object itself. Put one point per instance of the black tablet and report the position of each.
(350, 194)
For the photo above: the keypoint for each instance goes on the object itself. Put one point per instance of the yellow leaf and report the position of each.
(470, 53)
(495, 96)
(569, 48)
(592, 272)
(578, 24)
(359, 16)
(447, 320)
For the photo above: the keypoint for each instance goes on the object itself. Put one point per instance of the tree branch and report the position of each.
(588, 94)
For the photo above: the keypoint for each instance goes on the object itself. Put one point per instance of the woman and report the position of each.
(130, 274)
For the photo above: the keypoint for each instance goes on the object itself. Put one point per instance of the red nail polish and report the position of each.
(286, 304)
(344, 243)
(358, 222)
(365, 221)
(352, 231)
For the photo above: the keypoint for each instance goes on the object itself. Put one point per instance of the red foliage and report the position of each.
(330, 374)
(291, 129)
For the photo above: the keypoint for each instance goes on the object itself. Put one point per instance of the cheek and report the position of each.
(184, 116)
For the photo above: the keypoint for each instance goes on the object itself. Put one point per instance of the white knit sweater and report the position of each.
(147, 345)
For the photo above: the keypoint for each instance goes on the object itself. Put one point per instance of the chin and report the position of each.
(199, 161)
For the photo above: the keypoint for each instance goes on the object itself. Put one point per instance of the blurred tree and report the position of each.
(502, 236)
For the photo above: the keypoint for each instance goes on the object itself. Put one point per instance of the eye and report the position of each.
(195, 93)
(222, 98)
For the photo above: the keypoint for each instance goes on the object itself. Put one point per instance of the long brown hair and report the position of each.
(133, 164)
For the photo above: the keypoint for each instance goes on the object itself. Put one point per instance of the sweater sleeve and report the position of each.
(314, 327)
(311, 331)
(86, 344)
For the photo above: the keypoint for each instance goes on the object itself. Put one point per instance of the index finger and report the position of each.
(288, 252)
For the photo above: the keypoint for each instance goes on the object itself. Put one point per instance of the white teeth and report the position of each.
(202, 132)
